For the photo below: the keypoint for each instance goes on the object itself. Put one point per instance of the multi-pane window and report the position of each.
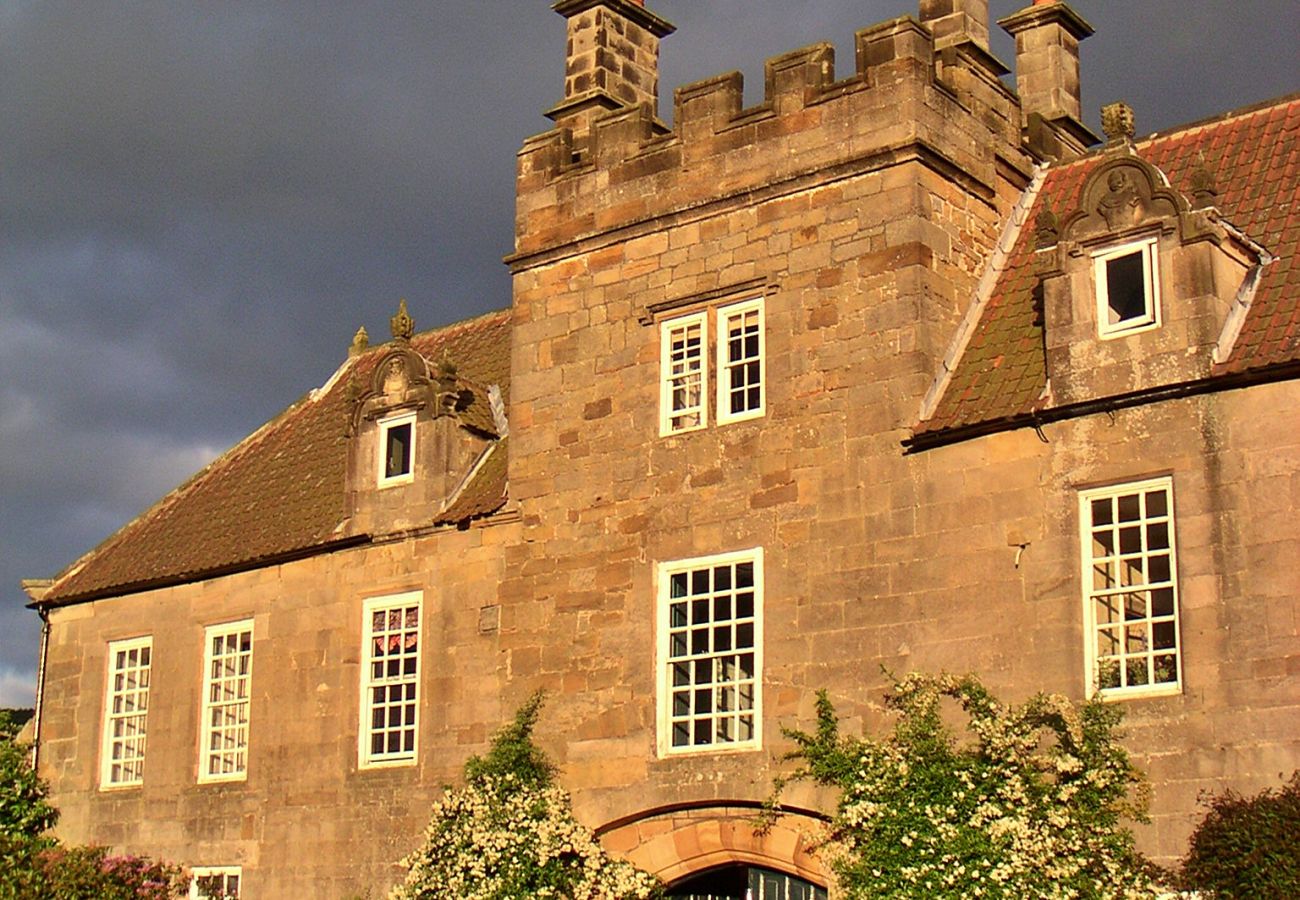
(737, 359)
(740, 361)
(228, 673)
(397, 450)
(710, 653)
(684, 378)
(1131, 588)
(390, 679)
(215, 883)
(126, 710)
(1128, 288)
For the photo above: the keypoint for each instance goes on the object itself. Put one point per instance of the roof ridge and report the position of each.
(1146, 141)
(459, 325)
(1240, 112)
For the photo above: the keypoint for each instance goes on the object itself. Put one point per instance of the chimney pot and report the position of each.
(612, 60)
(957, 21)
(1047, 36)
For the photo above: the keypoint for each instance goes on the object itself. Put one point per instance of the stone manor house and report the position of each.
(899, 367)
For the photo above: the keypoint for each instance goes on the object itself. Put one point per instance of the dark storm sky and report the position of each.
(200, 202)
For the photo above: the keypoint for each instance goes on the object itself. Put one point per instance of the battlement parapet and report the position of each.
(906, 98)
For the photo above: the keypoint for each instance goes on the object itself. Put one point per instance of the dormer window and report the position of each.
(397, 450)
(1128, 288)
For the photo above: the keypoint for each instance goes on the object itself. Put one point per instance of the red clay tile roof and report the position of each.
(280, 491)
(485, 491)
(1254, 155)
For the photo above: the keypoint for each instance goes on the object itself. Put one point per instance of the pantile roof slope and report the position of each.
(1254, 157)
(281, 491)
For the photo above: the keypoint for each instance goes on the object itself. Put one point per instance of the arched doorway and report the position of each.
(742, 882)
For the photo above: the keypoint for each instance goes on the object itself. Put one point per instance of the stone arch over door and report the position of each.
(674, 842)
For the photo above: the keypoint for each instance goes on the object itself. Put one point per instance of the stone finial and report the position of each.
(360, 342)
(1118, 121)
(1204, 188)
(446, 369)
(1047, 229)
(402, 324)
(448, 395)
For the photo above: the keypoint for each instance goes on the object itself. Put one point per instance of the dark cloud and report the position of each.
(199, 203)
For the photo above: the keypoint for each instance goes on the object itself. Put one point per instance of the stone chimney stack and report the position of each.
(611, 61)
(1047, 76)
(957, 21)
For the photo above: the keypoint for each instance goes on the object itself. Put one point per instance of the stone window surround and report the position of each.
(138, 692)
(664, 573)
(225, 873)
(240, 680)
(387, 424)
(1142, 554)
(409, 681)
(702, 315)
(1147, 246)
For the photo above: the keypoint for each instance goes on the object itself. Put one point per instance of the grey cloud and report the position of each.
(199, 202)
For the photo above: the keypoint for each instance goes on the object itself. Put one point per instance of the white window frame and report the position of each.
(241, 681)
(381, 452)
(139, 694)
(667, 378)
(725, 364)
(664, 662)
(1107, 581)
(224, 872)
(367, 757)
(1147, 247)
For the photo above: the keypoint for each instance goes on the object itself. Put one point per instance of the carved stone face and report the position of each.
(395, 380)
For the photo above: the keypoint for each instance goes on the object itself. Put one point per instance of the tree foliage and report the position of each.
(1029, 803)
(24, 811)
(1248, 847)
(510, 833)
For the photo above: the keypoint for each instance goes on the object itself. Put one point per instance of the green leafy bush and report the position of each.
(1248, 847)
(510, 833)
(1030, 804)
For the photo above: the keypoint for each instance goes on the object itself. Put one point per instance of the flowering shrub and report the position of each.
(73, 873)
(1247, 846)
(510, 833)
(1030, 806)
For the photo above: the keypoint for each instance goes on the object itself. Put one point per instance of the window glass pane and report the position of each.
(1126, 288)
(1157, 504)
(1130, 508)
(1158, 536)
(397, 458)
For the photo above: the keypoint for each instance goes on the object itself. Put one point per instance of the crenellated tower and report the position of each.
(724, 327)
